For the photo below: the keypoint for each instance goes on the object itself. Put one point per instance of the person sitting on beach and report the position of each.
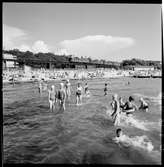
(144, 105)
(129, 106)
(105, 89)
(52, 98)
(61, 95)
(116, 110)
(122, 104)
(68, 89)
(79, 94)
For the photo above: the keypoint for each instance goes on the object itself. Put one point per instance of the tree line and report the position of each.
(59, 60)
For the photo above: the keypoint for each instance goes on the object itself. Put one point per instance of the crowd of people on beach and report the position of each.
(46, 74)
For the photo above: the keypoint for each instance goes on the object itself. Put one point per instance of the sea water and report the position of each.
(81, 134)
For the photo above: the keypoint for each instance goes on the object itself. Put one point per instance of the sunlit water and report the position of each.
(81, 134)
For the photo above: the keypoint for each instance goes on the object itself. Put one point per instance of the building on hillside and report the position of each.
(9, 61)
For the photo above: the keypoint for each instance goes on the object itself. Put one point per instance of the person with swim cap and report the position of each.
(144, 105)
(68, 89)
(130, 106)
(52, 98)
(61, 96)
(116, 110)
(79, 94)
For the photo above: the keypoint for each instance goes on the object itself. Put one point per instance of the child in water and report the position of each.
(144, 106)
(52, 98)
(61, 95)
(79, 94)
(116, 110)
(105, 89)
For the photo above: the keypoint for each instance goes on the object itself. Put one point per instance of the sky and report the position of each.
(113, 32)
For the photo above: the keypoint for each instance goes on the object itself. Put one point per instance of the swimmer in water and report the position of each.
(68, 89)
(144, 105)
(105, 89)
(129, 106)
(61, 95)
(119, 135)
(116, 110)
(79, 94)
(52, 98)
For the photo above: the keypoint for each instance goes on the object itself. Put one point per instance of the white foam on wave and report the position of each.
(129, 121)
(137, 141)
(132, 121)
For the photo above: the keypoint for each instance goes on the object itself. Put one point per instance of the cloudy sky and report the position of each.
(100, 31)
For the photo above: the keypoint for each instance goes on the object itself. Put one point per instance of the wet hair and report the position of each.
(131, 98)
(118, 130)
(105, 84)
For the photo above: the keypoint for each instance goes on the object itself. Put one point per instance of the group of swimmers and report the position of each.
(64, 92)
(118, 107)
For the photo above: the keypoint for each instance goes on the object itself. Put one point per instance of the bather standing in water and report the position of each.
(61, 96)
(52, 98)
(79, 94)
(116, 110)
(68, 89)
(122, 104)
(105, 89)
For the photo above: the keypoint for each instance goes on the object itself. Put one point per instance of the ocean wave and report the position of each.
(129, 121)
(132, 121)
(137, 141)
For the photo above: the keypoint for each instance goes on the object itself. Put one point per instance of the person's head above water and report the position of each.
(118, 132)
(131, 98)
(105, 84)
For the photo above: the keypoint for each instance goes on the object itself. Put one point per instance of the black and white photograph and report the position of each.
(82, 83)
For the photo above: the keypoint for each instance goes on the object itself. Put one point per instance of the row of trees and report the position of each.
(63, 59)
(139, 62)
